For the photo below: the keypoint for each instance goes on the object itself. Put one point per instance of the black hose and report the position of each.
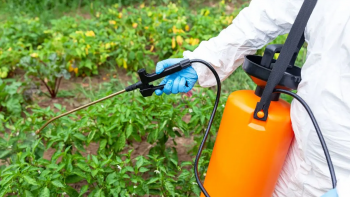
(209, 124)
(318, 131)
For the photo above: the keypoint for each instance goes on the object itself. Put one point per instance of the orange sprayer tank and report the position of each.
(248, 154)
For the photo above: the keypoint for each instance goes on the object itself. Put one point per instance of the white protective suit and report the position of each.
(325, 85)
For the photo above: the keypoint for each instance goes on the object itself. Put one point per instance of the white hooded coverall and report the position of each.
(325, 85)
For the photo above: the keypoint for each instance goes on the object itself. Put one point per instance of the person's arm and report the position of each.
(254, 27)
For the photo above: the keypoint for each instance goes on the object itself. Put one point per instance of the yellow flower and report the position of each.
(187, 28)
(120, 15)
(90, 34)
(112, 22)
(142, 5)
(76, 70)
(173, 43)
(195, 41)
(152, 47)
(134, 25)
(107, 45)
(175, 30)
(179, 40)
(146, 27)
(86, 50)
(70, 68)
(35, 55)
(125, 65)
(10, 49)
(98, 14)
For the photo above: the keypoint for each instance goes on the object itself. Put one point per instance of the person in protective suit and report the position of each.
(325, 85)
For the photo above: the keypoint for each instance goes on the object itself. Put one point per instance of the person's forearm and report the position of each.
(253, 28)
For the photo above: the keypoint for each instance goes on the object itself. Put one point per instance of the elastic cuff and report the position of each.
(201, 70)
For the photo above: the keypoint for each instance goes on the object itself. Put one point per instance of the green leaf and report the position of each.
(58, 106)
(70, 191)
(120, 142)
(152, 180)
(131, 55)
(30, 180)
(143, 169)
(28, 194)
(111, 178)
(45, 192)
(99, 193)
(129, 130)
(145, 188)
(139, 162)
(3, 191)
(4, 153)
(94, 158)
(73, 179)
(196, 189)
(80, 136)
(103, 144)
(184, 175)
(94, 172)
(4, 181)
(83, 190)
(91, 136)
(170, 188)
(57, 183)
(84, 167)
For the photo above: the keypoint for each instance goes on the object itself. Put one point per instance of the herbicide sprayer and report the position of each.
(255, 131)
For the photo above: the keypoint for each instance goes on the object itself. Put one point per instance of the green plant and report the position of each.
(11, 100)
(115, 125)
(49, 69)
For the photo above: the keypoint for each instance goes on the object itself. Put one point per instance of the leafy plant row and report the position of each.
(129, 37)
(115, 125)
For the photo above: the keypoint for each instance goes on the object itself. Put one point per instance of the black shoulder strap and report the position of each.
(293, 42)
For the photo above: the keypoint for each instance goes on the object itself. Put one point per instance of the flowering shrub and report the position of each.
(129, 37)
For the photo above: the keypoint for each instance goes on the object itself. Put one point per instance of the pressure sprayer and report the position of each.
(255, 131)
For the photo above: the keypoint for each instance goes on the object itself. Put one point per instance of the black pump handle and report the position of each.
(272, 49)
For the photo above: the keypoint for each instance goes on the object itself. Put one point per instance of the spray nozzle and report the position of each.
(147, 89)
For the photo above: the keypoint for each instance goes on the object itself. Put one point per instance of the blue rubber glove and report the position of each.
(182, 81)
(331, 193)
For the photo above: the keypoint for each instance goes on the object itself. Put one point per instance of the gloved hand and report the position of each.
(182, 81)
(331, 193)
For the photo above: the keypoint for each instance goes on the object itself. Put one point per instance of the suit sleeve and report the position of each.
(254, 27)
